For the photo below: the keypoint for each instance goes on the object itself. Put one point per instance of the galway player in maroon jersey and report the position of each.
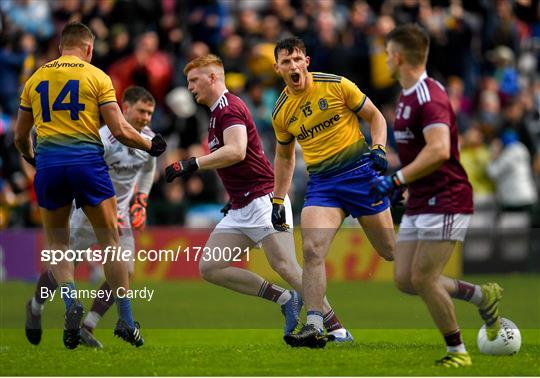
(237, 154)
(440, 200)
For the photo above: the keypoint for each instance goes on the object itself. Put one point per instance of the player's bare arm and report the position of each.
(432, 156)
(283, 171)
(377, 123)
(23, 141)
(127, 134)
(234, 150)
(284, 163)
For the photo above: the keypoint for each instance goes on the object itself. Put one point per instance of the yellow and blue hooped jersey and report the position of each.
(64, 97)
(323, 119)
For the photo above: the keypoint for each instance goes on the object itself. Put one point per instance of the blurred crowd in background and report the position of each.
(486, 53)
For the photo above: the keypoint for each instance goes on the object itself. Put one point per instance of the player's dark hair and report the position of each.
(136, 93)
(413, 41)
(75, 34)
(289, 44)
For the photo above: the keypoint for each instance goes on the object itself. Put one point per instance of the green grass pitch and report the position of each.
(194, 328)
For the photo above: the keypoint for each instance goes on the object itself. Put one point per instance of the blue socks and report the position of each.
(124, 311)
(66, 289)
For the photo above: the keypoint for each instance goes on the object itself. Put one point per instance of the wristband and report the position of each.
(401, 178)
(277, 200)
(379, 147)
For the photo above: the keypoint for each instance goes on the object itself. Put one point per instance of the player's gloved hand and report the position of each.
(378, 158)
(226, 208)
(30, 160)
(137, 211)
(278, 214)
(181, 168)
(384, 185)
(158, 145)
(396, 196)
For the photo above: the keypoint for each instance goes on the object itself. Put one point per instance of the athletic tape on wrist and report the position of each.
(277, 200)
(379, 147)
(400, 177)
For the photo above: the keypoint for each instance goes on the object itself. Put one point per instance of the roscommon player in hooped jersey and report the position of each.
(440, 197)
(237, 154)
(64, 100)
(321, 112)
(132, 174)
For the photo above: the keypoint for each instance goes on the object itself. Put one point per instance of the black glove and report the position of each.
(396, 196)
(278, 214)
(226, 208)
(30, 160)
(378, 158)
(181, 168)
(158, 145)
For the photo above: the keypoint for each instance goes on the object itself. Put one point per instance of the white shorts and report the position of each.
(253, 220)
(433, 227)
(82, 236)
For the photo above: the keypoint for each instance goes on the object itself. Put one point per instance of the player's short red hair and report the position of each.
(203, 61)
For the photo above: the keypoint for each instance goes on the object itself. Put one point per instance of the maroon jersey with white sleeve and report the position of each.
(253, 177)
(447, 190)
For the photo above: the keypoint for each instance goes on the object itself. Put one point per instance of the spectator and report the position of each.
(356, 42)
(505, 73)
(488, 113)
(11, 63)
(147, 67)
(206, 21)
(234, 59)
(475, 158)
(30, 16)
(500, 27)
(514, 118)
(460, 103)
(149, 42)
(511, 172)
(383, 84)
